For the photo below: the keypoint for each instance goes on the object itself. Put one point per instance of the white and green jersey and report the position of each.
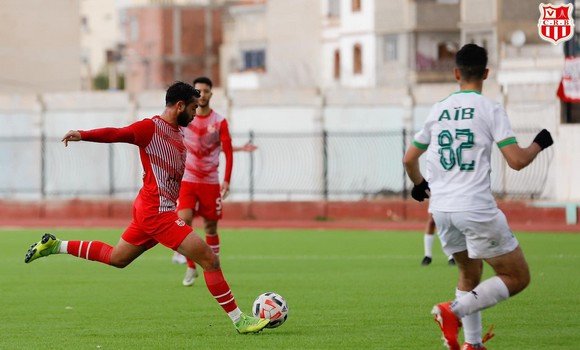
(458, 136)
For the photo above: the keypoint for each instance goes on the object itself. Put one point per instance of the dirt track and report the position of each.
(273, 224)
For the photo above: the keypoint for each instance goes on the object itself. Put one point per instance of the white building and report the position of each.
(100, 39)
(372, 43)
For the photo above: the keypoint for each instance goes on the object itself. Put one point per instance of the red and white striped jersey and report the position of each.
(162, 155)
(204, 139)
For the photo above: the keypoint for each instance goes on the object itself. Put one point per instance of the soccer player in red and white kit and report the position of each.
(200, 193)
(163, 153)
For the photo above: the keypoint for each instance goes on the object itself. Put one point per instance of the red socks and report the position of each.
(90, 250)
(219, 288)
(213, 242)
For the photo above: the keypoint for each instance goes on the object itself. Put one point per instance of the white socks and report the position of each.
(486, 294)
(471, 323)
(428, 244)
(235, 315)
(63, 247)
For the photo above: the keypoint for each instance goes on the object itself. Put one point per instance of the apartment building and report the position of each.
(269, 44)
(101, 42)
(168, 41)
(339, 43)
(371, 43)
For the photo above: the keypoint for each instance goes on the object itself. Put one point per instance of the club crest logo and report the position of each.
(556, 23)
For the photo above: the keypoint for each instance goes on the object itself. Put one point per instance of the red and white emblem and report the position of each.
(556, 22)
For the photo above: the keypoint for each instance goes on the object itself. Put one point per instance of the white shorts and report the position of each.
(483, 233)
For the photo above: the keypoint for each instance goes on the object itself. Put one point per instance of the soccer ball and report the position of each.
(273, 306)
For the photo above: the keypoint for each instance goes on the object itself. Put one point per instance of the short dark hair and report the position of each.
(203, 80)
(471, 61)
(180, 91)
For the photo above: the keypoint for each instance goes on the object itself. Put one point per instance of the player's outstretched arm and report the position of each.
(519, 158)
(138, 133)
(71, 135)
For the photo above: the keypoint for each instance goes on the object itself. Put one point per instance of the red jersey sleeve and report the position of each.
(138, 133)
(226, 141)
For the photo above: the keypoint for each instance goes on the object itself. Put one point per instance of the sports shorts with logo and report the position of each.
(165, 228)
(204, 199)
(484, 233)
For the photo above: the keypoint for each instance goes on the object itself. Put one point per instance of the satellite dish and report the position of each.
(518, 38)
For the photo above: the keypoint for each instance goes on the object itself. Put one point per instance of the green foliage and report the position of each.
(345, 290)
(101, 82)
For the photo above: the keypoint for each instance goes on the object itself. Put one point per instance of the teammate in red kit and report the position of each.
(428, 244)
(163, 154)
(201, 193)
(191, 273)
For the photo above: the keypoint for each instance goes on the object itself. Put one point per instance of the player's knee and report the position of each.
(119, 263)
(212, 263)
(210, 227)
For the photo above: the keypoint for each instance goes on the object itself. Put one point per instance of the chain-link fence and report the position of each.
(286, 166)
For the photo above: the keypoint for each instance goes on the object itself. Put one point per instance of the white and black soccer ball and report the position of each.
(273, 306)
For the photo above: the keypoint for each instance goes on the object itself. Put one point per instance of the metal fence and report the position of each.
(286, 166)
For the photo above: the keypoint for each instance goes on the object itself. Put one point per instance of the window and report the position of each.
(254, 59)
(355, 5)
(336, 64)
(133, 28)
(85, 24)
(357, 59)
(333, 8)
(446, 50)
(390, 43)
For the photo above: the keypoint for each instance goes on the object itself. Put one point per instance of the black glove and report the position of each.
(544, 139)
(421, 191)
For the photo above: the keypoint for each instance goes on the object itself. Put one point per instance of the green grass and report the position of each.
(345, 290)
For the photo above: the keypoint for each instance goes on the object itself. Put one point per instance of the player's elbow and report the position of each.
(408, 161)
(517, 164)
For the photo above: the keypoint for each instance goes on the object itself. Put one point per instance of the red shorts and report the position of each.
(204, 199)
(165, 228)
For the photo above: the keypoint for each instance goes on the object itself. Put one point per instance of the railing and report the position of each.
(286, 166)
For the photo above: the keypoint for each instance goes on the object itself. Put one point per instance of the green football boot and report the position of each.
(49, 244)
(249, 324)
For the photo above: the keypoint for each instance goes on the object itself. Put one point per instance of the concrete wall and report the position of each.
(40, 49)
(292, 58)
(385, 20)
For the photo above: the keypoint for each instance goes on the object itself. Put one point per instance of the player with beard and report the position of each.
(155, 220)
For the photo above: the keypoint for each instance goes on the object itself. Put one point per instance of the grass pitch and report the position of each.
(345, 290)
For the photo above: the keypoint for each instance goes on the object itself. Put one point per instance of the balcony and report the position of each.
(430, 70)
(246, 80)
